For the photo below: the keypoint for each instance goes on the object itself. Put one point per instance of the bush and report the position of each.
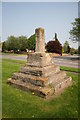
(54, 47)
(66, 47)
(72, 51)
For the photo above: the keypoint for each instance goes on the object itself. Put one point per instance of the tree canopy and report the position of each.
(75, 32)
(18, 44)
(54, 46)
(66, 47)
(31, 42)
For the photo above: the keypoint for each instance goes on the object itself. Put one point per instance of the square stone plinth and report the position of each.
(39, 59)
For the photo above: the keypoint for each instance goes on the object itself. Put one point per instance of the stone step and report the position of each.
(31, 70)
(35, 64)
(55, 77)
(29, 78)
(37, 90)
(46, 91)
(61, 84)
(36, 71)
(40, 81)
(50, 72)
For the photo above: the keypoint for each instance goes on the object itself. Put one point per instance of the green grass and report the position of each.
(20, 104)
(14, 61)
(70, 69)
(14, 54)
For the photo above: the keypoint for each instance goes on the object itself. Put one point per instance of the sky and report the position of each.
(22, 18)
(40, 0)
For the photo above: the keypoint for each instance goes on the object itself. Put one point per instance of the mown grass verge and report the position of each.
(70, 69)
(20, 104)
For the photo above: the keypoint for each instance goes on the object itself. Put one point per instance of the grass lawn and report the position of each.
(20, 104)
(70, 69)
(14, 54)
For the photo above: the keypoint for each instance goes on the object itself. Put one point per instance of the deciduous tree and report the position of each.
(75, 32)
(31, 42)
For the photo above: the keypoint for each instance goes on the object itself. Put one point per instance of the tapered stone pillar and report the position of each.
(40, 42)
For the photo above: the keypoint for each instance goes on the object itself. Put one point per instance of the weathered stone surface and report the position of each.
(40, 43)
(40, 71)
(40, 81)
(55, 77)
(40, 91)
(40, 75)
(39, 59)
(60, 85)
(44, 92)
(30, 79)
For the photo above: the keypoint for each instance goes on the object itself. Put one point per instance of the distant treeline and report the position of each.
(22, 43)
(19, 44)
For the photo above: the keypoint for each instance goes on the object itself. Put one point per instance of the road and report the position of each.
(69, 61)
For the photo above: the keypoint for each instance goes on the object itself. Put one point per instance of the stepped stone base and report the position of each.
(43, 92)
(40, 76)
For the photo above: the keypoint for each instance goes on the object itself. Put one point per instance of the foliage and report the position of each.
(66, 47)
(20, 104)
(23, 43)
(62, 50)
(4, 46)
(79, 50)
(17, 44)
(72, 51)
(54, 46)
(55, 36)
(76, 51)
(31, 42)
(75, 32)
(13, 44)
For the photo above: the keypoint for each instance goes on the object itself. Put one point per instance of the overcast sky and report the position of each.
(22, 18)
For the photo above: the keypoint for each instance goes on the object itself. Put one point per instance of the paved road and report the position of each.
(69, 61)
(14, 57)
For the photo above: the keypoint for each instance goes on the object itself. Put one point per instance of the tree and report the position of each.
(22, 42)
(13, 44)
(66, 47)
(72, 51)
(5, 46)
(75, 32)
(54, 47)
(31, 42)
(79, 50)
(55, 37)
(17, 44)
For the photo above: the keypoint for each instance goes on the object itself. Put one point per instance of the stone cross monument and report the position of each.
(40, 75)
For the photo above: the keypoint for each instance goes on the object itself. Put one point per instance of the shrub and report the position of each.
(54, 47)
(72, 51)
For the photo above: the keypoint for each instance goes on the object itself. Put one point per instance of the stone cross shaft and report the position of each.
(40, 43)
